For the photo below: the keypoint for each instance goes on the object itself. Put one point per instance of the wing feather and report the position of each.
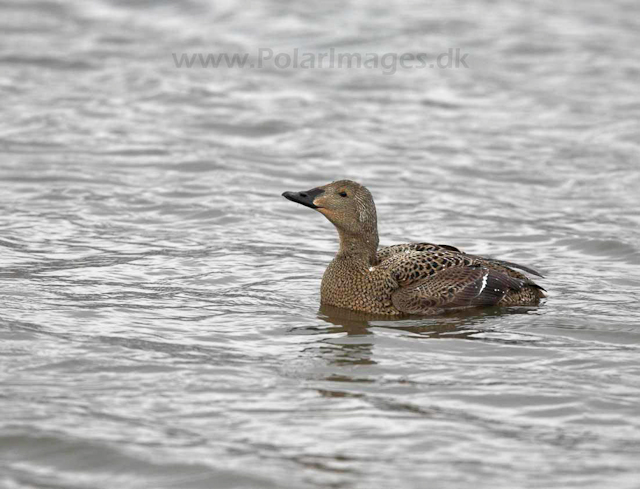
(509, 264)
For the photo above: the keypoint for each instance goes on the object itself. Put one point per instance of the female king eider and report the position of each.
(413, 278)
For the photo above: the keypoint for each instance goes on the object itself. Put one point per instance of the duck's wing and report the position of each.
(456, 287)
(430, 281)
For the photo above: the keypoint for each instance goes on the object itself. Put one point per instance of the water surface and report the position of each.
(160, 322)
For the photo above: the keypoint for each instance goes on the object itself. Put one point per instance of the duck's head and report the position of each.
(347, 204)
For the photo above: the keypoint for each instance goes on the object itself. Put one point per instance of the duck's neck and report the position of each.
(361, 249)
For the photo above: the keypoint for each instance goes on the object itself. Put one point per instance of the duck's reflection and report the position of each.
(355, 346)
(456, 324)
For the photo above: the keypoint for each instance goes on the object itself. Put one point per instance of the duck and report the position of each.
(406, 279)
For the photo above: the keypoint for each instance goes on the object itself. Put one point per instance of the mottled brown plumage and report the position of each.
(413, 278)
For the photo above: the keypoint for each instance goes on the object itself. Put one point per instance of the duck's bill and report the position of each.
(305, 198)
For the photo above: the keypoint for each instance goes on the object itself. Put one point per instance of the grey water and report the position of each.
(160, 323)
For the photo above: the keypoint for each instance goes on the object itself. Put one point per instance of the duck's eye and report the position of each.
(343, 194)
